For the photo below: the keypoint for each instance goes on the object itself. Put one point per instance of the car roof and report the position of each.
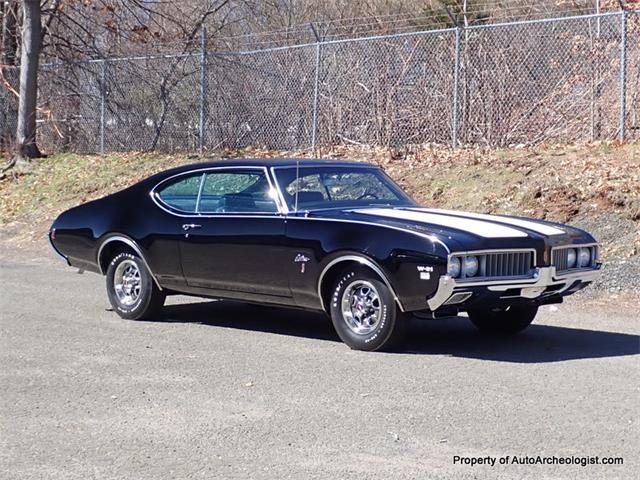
(253, 162)
(275, 162)
(260, 162)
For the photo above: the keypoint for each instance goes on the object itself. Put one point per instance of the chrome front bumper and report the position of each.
(530, 288)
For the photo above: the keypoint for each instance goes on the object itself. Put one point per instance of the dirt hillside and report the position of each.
(595, 186)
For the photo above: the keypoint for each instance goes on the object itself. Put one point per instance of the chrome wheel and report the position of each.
(361, 307)
(127, 282)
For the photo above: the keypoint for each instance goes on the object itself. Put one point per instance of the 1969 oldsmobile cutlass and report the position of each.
(339, 237)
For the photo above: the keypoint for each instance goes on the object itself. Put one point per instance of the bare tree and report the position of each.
(9, 32)
(26, 146)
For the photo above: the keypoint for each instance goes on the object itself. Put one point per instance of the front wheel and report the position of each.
(503, 321)
(364, 312)
(132, 292)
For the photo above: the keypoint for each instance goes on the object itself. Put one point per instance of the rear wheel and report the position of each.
(364, 312)
(503, 321)
(132, 292)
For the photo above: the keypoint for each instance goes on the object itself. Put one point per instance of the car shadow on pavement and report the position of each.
(537, 344)
(259, 318)
(452, 336)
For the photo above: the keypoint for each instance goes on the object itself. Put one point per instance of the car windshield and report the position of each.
(323, 187)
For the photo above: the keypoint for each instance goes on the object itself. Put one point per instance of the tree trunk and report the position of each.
(10, 32)
(30, 54)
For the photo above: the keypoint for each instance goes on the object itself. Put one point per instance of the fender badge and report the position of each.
(424, 272)
(302, 260)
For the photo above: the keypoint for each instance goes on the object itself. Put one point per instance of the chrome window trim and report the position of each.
(327, 165)
(200, 188)
(364, 261)
(131, 243)
(158, 201)
(285, 207)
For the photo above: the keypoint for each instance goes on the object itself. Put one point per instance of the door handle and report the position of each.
(190, 226)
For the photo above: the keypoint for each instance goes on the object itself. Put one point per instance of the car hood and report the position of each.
(466, 230)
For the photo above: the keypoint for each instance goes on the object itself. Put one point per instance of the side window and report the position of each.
(237, 191)
(308, 183)
(182, 193)
(356, 186)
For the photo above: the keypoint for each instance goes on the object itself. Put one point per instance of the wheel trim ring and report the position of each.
(361, 307)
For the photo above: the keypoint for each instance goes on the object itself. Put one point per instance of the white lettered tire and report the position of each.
(364, 312)
(132, 291)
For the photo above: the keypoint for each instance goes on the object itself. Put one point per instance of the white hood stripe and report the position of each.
(528, 224)
(477, 227)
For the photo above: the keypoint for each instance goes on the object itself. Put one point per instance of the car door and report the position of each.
(234, 241)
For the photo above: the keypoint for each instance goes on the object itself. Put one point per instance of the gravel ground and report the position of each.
(620, 238)
(222, 390)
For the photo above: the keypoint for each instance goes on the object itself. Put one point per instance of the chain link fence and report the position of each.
(8, 105)
(568, 79)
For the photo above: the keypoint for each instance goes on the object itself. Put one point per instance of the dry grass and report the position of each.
(553, 182)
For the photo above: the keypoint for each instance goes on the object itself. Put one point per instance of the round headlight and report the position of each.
(470, 266)
(584, 257)
(453, 269)
(572, 256)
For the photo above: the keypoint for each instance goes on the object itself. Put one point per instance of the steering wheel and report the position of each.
(368, 195)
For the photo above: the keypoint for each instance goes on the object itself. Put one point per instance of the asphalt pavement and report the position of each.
(231, 391)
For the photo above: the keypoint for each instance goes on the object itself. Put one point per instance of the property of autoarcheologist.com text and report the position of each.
(492, 461)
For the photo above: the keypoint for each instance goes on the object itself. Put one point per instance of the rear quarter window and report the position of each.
(181, 193)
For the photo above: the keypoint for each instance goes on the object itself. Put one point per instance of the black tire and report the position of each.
(504, 321)
(149, 300)
(387, 327)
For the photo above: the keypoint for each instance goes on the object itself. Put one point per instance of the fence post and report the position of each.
(456, 77)
(103, 95)
(314, 120)
(203, 88)
(623, 74)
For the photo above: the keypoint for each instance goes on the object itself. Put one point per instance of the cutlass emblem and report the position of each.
(302, 260)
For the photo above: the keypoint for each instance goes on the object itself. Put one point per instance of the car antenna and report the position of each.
(295, 207)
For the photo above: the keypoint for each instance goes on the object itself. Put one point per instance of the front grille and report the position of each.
(513, 263)
(507, 264)
(560, 257)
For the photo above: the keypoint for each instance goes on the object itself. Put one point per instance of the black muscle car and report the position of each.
(339, 237)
